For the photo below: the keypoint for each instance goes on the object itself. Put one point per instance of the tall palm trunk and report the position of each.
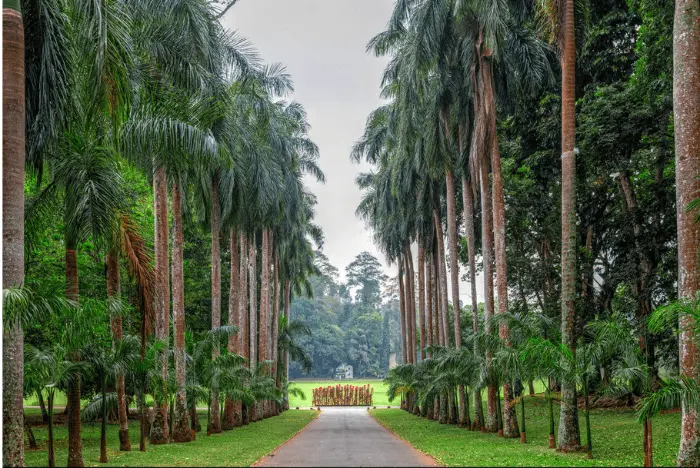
(429, 299)
(487, 252)
(13, 141)
(243, 318)
(253, 311)
(181, 423)
(264, 325)
(569, 435)
(468, 202)
(454, 275)
(232, 408)
(410, 306)
(275, 319)
(160, 430)
(287, 299)
(114, 291)
(421, 299)
(686, 113)
(402, 314)
(442, 275)
(510, 420)
(215, 421)
(75, 445)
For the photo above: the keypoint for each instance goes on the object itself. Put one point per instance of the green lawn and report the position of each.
(379, 398)
(617, 440)
(239, 447)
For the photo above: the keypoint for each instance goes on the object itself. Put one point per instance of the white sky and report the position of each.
(322, 43)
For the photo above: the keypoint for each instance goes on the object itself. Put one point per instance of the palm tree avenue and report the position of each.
(530, 179)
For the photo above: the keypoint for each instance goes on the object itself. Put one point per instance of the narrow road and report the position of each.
(346, 436)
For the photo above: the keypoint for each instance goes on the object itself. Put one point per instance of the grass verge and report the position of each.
(239, 447)
(617, 440)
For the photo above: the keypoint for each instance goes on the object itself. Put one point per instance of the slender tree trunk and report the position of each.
(411, 304)
(42, 405)
(468, 202)
(181, 424)
(253, 320)
(275, 319)
(13, 144)
(487, 252)
(442, 275)
(215, 423)
(429, 299)
(421, 299)
(569, 435)
(439, 336)
(114, 291)
(243, 317)
(510, 419)
(160, 430)
(264, 347)
(686, 113)
(52, 455)
(75, 445)
(402, 313)
(454, 257)
(287, 300)
(232, 408)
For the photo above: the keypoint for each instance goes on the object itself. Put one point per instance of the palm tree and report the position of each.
(56, 371)
(686, 113)
(109, 364)
(13, 136)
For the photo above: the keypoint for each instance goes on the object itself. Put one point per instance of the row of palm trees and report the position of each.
(90, 88)
(455, 65)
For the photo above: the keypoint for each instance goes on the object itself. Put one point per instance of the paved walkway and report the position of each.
(346, 436)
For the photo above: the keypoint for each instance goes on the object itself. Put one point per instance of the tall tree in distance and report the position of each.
(686, 114)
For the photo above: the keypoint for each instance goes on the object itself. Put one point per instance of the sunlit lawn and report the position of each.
(616, 435)
(378, 399)
(239, 447)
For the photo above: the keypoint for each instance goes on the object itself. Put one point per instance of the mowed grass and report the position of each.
(239, 447)
(379, 397)
(616, 435)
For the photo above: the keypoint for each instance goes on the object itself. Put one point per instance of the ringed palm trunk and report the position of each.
(215, 420)
(264, 346)
(243, 318)
(442, 275)
(181, 423)
(402, 313)
(232, 408)
(454, 276)
(468, 202)
(114, 291)
(287, 298)
(253, 320)
(75, 444)
(569, 435)
(410, 305)
(421, 299)
(686, 113)
(13, 141)
(275, 320)
(510, 420)
(160, 430)
(487, 250)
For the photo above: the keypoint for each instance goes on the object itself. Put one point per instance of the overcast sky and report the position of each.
(322, 43)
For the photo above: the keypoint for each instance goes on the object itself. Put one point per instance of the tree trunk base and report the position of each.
(552, 441)
(523, 438)
(124, 442)
(158, 434)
